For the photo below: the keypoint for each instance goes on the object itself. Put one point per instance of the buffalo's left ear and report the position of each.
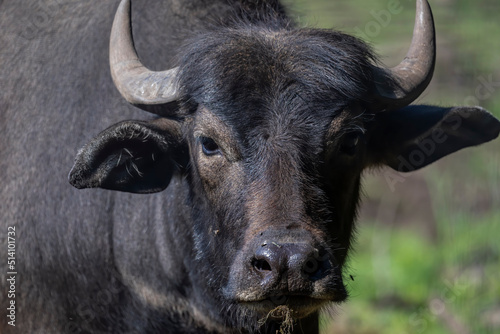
(131, 156)
(415, 136)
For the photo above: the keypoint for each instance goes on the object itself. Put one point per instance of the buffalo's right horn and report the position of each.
(399, 86)
(137, 84)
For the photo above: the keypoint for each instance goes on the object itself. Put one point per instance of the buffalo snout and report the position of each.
(286, 267)
(294, 266)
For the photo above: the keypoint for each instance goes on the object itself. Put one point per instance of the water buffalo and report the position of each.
(259, 136)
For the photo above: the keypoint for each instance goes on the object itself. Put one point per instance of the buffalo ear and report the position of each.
(131, 156)
(415, 136)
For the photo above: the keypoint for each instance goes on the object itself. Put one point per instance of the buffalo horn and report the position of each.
(399, 86)
(136, 83)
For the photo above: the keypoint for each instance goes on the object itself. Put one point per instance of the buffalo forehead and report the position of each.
(268, 93)
(255, 65)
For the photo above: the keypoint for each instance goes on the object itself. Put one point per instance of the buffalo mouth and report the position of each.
(280, 305)
(279, 308)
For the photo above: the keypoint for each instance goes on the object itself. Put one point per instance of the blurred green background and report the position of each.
(427, 258)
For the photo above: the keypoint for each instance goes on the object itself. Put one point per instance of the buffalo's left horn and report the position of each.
(136, 83)
(399, 86)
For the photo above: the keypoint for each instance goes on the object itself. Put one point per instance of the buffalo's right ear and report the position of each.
(131, 156)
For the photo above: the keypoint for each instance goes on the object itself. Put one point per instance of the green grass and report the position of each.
(406, 282)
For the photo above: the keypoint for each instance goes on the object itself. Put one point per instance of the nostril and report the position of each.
(311, 266)
(316, 266)
(261, 265)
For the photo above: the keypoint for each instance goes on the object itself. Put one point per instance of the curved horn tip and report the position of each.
(136, 83)
(399, 86)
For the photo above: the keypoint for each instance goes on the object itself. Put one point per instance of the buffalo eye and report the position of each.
(209, 146)
(351, 142)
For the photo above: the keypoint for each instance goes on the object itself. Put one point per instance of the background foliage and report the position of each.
(427, 258)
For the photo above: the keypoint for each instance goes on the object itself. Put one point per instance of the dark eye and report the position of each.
(350, 142)
(209, 146)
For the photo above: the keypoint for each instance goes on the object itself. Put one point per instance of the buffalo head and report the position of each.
(269, 128)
